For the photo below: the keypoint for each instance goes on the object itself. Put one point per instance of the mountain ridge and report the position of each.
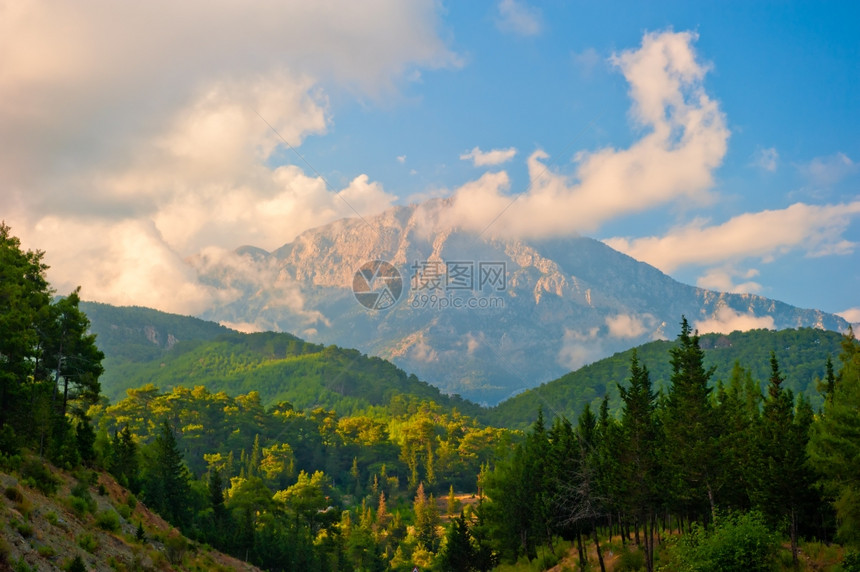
(566, 301)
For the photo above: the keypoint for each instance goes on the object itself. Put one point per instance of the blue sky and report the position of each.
(134, 141)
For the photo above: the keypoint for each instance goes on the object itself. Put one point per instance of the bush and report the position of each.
(851, 563)
(88, 542)
(35, 471)
(124, 511)
(108, 520)
(76, 564)
(14, 494)
(81, 500)
(176, 546)
(630, 560)
(52, 518)
(131, 501)
(737, 542)
(23, 528)
(46, 551)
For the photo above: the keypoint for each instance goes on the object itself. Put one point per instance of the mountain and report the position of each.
(802, 354)
(533, 310)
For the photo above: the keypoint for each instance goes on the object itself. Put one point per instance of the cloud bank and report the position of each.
(814, 230)
(139, 133)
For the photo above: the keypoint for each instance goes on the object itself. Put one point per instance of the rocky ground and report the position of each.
(41, 531)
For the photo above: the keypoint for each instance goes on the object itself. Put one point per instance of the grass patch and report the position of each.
(46, 551)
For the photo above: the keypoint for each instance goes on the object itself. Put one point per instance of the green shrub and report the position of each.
(10, 463)
(630, 560)
(88, 542)
(851, 562)
(76, 564)
(124, 511)
(737, 542)
(81, 500)
(35, 471)
(23, 528)
(108, 520)
(131, 501)
(52, 518)
(46, 551)
(176, 546)
(14, 494)
(22, 566)
(78, 505)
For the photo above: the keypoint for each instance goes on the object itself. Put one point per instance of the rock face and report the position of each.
(479, 316)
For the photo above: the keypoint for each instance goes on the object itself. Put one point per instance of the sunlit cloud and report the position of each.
(135, 150)
(684, 142)
(489, 158)
(851, 314)
(730, 279)
(726, 321)
(813, 230)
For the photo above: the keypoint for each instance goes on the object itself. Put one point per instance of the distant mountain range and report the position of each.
(529, 311)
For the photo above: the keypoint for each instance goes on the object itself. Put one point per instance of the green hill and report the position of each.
(144, 346)
(802, 354)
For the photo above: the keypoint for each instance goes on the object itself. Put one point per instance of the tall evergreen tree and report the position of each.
(835, 443)
(784, 480)
(458, 554)
(690, 450)
(166, 479)
(638, 453)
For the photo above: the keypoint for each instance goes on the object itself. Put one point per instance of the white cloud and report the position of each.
(815, 230)
(723, 279)
(488, 158)
(766, 159)
(401, 159)
(685, 140)
(851, 314)
(726, 321)
(518, 18)
(137, 134)
(826, 171)
(630, 326)
(580, 348)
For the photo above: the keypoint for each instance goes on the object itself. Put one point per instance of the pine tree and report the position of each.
(835, 443)
(691, 434)
(783, 474)
(166, 480)
(638, 453)
(458, 554)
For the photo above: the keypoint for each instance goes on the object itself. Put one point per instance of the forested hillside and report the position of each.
(802, 355)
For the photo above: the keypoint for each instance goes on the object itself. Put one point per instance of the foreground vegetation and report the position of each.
(694, 476)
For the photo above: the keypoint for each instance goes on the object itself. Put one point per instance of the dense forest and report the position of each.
(735, 473)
